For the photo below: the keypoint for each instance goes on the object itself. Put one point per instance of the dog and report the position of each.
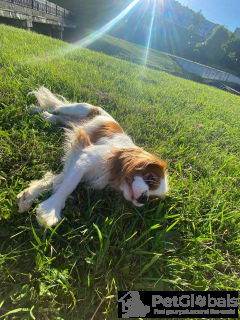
(97, 152)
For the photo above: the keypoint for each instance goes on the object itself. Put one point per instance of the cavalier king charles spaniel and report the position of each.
(96, 151)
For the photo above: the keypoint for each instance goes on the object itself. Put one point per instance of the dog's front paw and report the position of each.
(25, 200)
(48, 213)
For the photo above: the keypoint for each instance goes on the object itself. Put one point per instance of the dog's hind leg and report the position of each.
(52, 118)
(37, 188)
(59, 105)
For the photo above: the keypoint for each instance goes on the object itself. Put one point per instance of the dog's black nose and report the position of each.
(143, 198)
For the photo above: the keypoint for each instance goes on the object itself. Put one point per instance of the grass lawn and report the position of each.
(190, 241)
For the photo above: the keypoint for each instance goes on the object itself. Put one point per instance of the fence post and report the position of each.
(46, 6)
(56, 10)
(32, 4)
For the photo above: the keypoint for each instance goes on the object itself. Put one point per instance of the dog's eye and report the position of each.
(150, 180)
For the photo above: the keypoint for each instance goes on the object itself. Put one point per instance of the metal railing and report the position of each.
(44, 6)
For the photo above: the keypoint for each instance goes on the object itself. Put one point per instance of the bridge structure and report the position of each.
(39, 15)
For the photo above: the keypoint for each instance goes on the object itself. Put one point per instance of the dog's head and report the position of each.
(138, 174)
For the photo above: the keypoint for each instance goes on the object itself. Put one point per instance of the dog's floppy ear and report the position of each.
(157, 168)
(126, 162)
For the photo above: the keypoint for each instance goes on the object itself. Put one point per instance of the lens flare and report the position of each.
(150, 31)
(97, 34)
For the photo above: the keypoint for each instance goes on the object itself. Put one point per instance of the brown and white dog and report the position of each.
(97, 152)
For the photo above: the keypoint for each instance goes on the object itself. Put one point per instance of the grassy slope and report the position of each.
(125, 50)
(189, 241)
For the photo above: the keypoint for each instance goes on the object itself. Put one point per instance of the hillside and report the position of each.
(189, 241)
(151, 58)
(129, 51)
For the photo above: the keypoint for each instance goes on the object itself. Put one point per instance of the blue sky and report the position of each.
(224, 12)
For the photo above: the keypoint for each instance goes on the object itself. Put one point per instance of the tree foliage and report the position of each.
(196, 20)
(221, 48)
(212, 49)
(232, 48)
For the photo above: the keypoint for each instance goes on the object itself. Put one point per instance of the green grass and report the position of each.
(190, 241)
(125, 50)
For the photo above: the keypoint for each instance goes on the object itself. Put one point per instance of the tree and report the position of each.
(232, 48)
(212, 49)
(231, 58)
(197, 19)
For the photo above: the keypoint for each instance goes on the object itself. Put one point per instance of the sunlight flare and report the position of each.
(150, 30)
(97, 34)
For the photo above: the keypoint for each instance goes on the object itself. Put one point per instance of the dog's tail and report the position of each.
(47, 100)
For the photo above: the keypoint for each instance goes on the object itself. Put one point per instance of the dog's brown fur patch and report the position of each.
(82, 139)
(106, 129)
(93, 113)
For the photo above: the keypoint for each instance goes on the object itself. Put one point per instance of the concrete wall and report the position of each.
(26, 18)
(206, 72)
